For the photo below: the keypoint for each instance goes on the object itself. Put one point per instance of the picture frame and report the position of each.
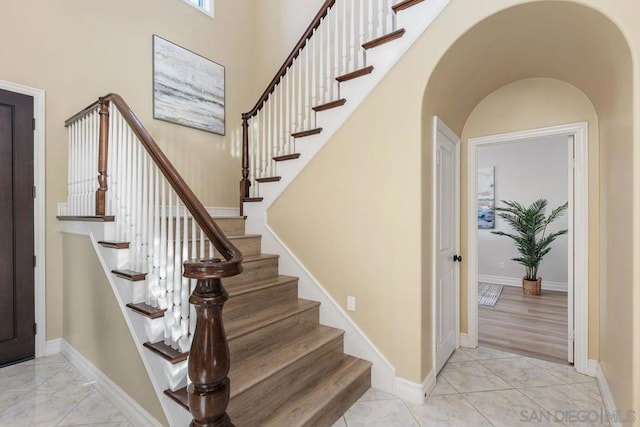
(188, 89)
(486, 198)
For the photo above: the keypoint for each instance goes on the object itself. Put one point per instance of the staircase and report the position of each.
(286, 368)
(223, 335)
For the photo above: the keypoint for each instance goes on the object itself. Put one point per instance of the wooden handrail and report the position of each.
(245, 183)
(328, 4)
(209, 360)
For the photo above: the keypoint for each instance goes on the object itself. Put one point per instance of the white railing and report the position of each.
(83, 163)
(333, 49)
(148, 214)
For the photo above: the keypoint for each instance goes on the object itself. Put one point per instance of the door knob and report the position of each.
(457, 258)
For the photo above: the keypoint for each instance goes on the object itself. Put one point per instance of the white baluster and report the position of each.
(201, 254)
(162, 300)
(322, 96)
(281, 124)
(144, 215)
(307, 88)
(170, 247)
(300, 91)
(133, 246)
(156, 238)
(184, 286)
(362, 60)
(336, 49)
(288, 115)
(344, 37)
(269, 105)
(353, 55)
(380, 30)
(390, 19)
(139, 202)
(177, 259)
(370, 20)
(329, 77)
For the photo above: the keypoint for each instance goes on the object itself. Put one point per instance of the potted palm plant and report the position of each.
(530, 236)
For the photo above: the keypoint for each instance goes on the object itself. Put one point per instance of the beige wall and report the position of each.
(279, 24)
(94, 325)
(531, 104)
(77, 50)
(373, 177)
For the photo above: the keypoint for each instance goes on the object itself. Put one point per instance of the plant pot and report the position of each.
(532, 287)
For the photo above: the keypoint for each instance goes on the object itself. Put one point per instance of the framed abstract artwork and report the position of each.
(486, 198)
(188, 89)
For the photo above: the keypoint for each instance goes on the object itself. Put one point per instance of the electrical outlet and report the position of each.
(351, 303)
(501, 265)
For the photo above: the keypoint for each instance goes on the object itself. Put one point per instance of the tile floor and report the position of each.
(486, 387)
(477, 387)
(50, 392)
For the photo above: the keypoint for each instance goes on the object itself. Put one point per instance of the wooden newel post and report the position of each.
(245, 184)
(209, 357)
(103, 152)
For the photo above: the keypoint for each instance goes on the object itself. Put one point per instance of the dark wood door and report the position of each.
(17, 315)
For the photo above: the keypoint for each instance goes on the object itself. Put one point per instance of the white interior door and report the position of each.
(447, 243)
(571, 254)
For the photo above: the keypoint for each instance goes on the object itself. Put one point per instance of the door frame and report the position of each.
(580, 165)
(38, 208)
(439, 125)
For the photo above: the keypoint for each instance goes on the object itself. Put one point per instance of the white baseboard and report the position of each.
(52, 347)
(135, 413)
(607, 397)
(464, 340)
(592, 368)
(413, 392)
(517, 282)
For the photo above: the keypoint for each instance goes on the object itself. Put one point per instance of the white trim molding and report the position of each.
(38, 208)
(464, 340)
(131, 409)
(517, 282)
(579, 232)
(413, 392)
(607, 398)
(52, 347)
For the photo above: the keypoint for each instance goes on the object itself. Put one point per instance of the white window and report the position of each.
(205, 6)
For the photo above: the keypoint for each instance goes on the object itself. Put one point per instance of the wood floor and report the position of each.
(534, 326)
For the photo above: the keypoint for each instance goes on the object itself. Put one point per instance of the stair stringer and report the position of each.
(156, 367)
(356, 343)
(415, 21)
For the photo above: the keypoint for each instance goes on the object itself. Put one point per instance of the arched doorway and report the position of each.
(577, 45)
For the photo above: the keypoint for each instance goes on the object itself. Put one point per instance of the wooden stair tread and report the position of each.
(236, 328)
(329, 105)
(133, 276)
(269, 179)
(114, 245)
(307, 132)
(90, 218)
(252, 199)
(146, 310)
(265, 363)
(324, 395)
(355, 74)
(287, 157)
(246, 288)
(180, 396)
(405, 5)
(384, 39)
(167, 352)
